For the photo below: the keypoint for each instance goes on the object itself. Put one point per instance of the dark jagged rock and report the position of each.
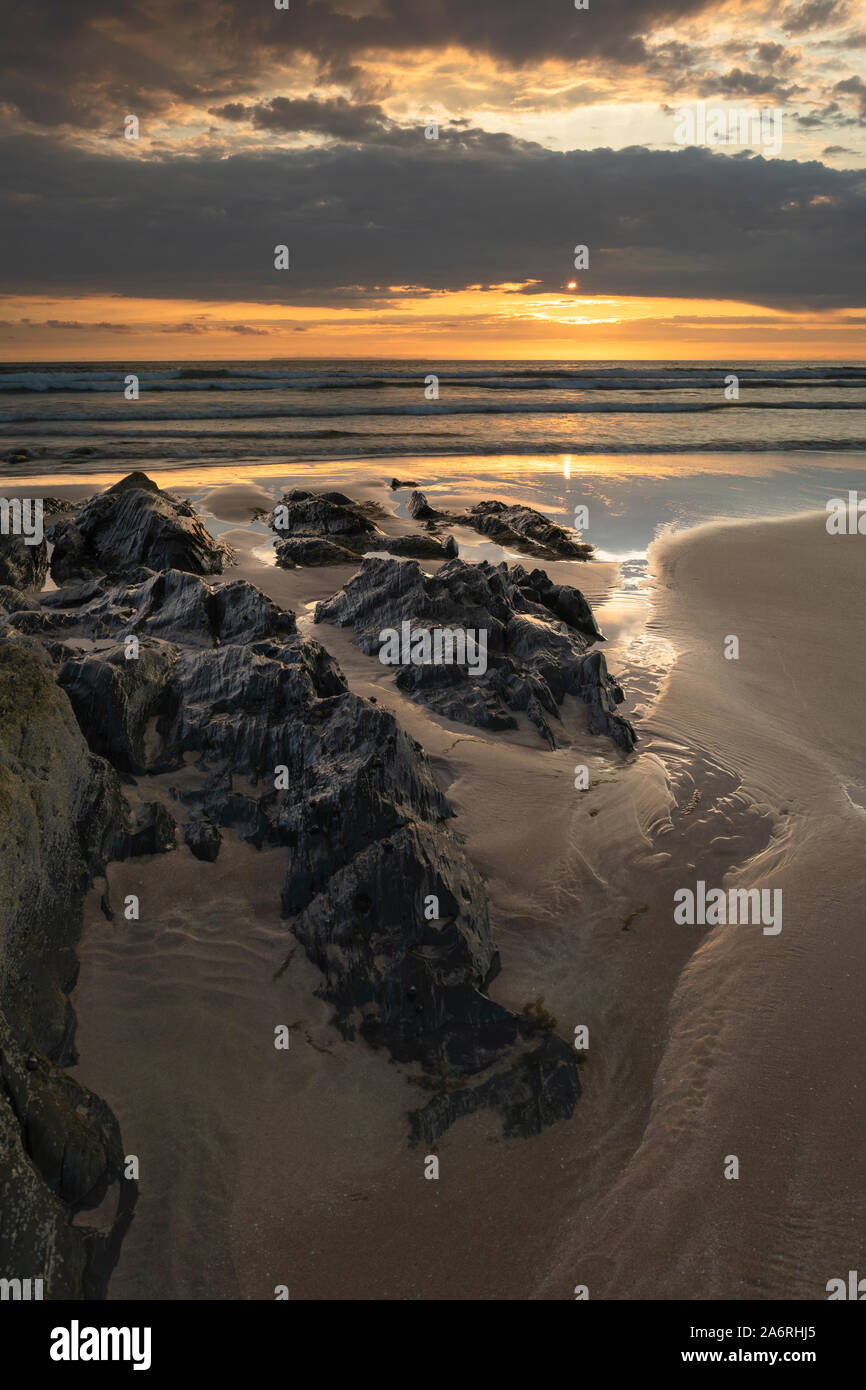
(203, 838)
(312, 551)
(135, 482)
(419, 547)
(22, 566)
(538, 638)
(61, 1155)
(328, 528)
(132, 523)
(152, 832)
(289, 757)
(419, 508)
(397, 483)
(307, 515)
(532, 1093)
(13, 600)
(524, 528)
(515, 526)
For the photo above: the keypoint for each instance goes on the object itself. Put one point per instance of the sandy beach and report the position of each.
(432, 752)
(262, 1168)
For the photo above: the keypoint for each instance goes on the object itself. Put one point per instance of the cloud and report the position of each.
(343, 119)
(85, 327)
(814, 14)
(738, 82)
(854, 86)
(244, 329)
(770, 52)
(91, 326)
(88, 63)
(689, 223)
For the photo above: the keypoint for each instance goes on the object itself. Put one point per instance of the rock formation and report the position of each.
(22, 566)
(61, 815)
(328, 528)
(161, 666)
(515, 526)
(538, 639)
(132, 523)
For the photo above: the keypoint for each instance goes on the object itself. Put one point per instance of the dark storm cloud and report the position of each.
(80, 60)
(814, 14)
(342, 119)
(690, 223)
(357, 123)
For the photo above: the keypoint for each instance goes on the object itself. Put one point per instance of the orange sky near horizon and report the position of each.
(497, 322)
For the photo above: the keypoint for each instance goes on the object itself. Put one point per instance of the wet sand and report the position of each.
(764, 1054)
(261, 1167)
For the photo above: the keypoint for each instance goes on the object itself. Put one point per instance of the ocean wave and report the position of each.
(437, 410)
(541, 378)
(111, 461)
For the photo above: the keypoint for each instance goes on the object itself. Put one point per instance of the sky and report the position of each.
(431, 167)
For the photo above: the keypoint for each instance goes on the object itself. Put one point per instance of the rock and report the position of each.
(51, 506)
(525, 528)
(22, 566)
(538, 636)
(339, 499)
(396, 482)
(61, 1155)
(534, 1092)
(152, 832)
(133, 523)
(324, 530)
(518, 527)
(419, 507)
(331, 529)
(418, 547)
(134, 482)
(117, 701)
(13, 600)
(311, 550)
(321, 516)
(203, 838)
